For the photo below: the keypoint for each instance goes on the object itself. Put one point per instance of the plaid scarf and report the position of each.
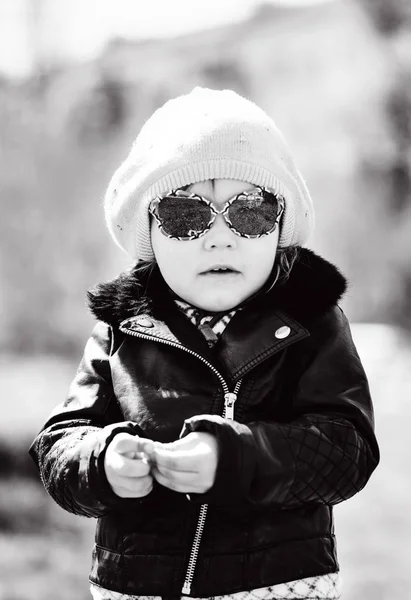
(211, 326)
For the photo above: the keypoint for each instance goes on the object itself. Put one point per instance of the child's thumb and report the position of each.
(147, 446)
(126, 444)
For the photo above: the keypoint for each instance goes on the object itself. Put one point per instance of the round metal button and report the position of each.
(144, 322)
(282, 332)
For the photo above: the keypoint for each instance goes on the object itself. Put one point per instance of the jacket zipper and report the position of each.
(228, 413)
(229, 401)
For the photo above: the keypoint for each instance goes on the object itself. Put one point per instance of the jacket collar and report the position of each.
(313, 287)
(142, 305)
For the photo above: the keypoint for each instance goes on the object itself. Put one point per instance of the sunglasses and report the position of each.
(184, 216)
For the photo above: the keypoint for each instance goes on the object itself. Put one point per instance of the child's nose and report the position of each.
(220, 235)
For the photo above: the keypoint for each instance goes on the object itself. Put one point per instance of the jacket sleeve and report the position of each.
(324, 454)
(69, 451)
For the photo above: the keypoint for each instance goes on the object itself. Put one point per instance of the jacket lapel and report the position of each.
(178, 331)
(245, 343)
(251, 338)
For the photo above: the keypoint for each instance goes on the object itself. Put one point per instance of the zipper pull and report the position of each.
(229, 400)
(210, 336)
(186, 589)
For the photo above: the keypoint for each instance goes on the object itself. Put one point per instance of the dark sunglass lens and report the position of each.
(183, 217)
(254, 215)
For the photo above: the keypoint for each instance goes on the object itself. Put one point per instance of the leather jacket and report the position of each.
(296, 438)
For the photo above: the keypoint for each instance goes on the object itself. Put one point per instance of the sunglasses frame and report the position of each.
(153, 210)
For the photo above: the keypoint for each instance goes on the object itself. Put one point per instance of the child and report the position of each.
(220, 409)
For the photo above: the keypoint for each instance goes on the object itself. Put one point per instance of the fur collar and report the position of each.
(313, 287)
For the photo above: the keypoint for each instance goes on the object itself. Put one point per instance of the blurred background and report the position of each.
(77, 81)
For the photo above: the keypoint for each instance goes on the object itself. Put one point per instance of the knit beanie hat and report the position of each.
(206, 134)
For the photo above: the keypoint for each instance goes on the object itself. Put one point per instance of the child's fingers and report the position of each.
(133, 488)
(181, 482)
(176, 460)
(129, 467)
(127, 444)
(174, 474)
(187, 465)
(147, 449)
(195, 452)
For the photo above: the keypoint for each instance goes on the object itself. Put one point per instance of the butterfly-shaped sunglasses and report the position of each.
(182, 215)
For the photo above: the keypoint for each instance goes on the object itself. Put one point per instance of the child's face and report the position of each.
(186, 265)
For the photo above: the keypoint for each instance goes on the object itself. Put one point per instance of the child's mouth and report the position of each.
(220, 271)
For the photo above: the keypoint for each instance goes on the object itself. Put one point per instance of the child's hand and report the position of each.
(127, 466)
(187, 465)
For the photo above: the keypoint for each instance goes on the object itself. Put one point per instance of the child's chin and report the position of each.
(218, 304)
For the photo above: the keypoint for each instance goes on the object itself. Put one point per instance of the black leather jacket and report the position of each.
(302, 438)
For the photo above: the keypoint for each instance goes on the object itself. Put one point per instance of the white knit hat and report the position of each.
(206, 134)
